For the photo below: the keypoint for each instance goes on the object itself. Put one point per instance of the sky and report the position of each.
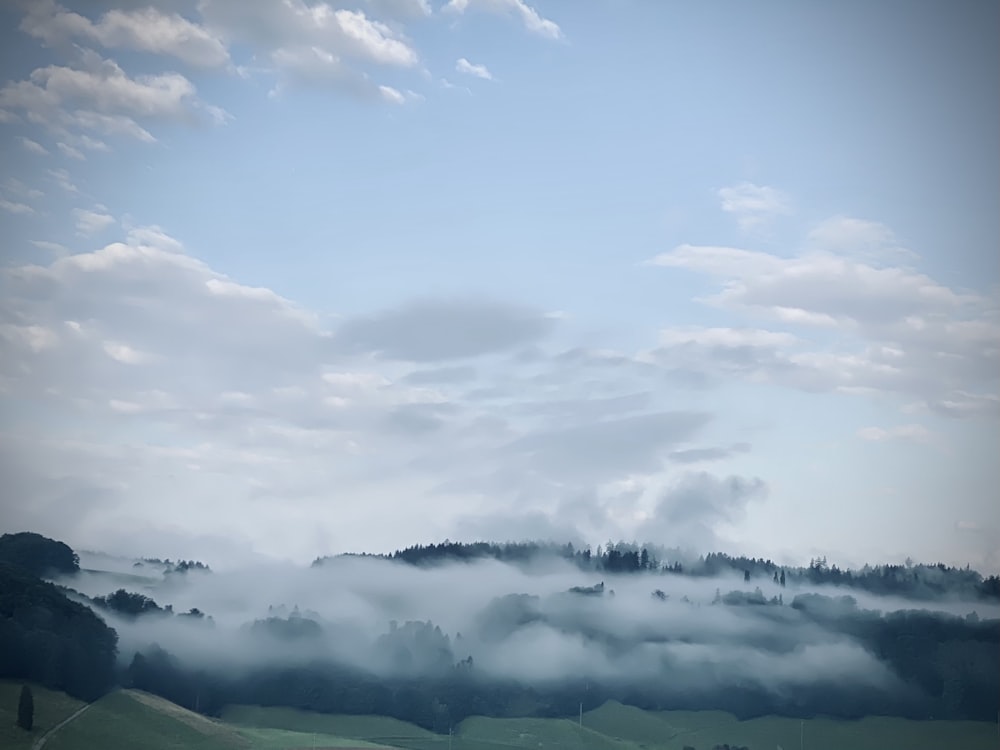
(285, 279)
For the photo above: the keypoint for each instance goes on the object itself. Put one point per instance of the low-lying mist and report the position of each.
(534, 623)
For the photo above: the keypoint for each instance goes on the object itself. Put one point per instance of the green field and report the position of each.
(672, 730)
(50, 709)
(131, 718)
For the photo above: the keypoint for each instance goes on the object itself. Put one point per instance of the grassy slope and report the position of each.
(617, 727)
(50, 708)
(131, 718)
(672, 730)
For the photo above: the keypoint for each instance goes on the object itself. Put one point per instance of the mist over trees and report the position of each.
(438, 633)
(914, 581)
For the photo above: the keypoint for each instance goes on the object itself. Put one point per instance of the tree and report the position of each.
(38, 554)
(782, 579)
(26, 709)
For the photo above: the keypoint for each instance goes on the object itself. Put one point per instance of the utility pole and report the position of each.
(581, 713)
(802, 731)
(449, 737)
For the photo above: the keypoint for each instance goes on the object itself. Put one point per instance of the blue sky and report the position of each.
(294, 278)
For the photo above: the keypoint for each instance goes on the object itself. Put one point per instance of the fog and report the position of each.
(516, 622)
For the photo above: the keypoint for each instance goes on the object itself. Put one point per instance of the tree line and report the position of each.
(915, 581)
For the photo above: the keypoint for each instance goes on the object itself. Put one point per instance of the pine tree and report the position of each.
(26, 709)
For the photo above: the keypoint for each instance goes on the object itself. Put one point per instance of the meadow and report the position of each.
(132, 718)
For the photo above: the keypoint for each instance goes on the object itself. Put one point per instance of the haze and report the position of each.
(517, 622)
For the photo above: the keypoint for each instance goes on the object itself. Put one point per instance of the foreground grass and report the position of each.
(673, 730)
(131, 718)
(50, 708)
(614, 726)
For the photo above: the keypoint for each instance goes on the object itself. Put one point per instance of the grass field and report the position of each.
(50, 709)
(130, 718)
(133, 719)
(672, 730)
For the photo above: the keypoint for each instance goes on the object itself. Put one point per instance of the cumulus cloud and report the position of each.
(316, 42)
(145, 30)
(479, 71)
(98, 95)
(900, 330)
(519, 9)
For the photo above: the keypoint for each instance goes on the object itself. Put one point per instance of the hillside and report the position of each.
(51, 707)
(673, 730)
(132, 718)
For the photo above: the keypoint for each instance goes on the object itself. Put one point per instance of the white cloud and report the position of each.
(17, 188)
(99, 95)
(392, 95)
(864, 240)
(914, 433)
(144, 30)
(15, 207)
(725, 337)
(753, 205)
(899, 331)
(126, 354)
(479, 71)
(62, 179)
(31, 146)
(314, 43)
(530, 17)
(373, 40)
(92, 222)
(69, 151)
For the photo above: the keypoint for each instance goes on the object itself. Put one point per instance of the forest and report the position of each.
(791, 651)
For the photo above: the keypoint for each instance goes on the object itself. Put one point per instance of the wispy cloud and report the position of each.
(479, 71)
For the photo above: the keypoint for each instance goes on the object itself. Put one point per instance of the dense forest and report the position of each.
(51, 640)
(935, 664)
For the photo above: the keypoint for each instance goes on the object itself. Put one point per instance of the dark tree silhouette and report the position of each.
(26, 709)
(37, 554)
